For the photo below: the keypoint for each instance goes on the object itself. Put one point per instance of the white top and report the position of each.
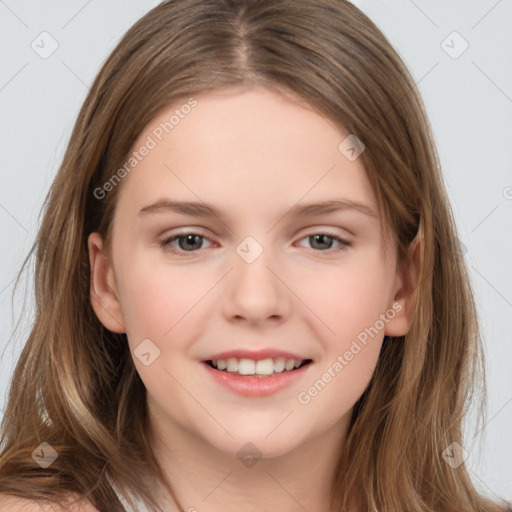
(140, 506)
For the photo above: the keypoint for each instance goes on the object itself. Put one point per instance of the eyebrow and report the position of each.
(197, 209)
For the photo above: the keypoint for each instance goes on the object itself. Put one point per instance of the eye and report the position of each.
(188, 242)
(323, 242)
(191, 242)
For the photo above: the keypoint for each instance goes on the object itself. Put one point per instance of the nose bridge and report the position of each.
(255, 291)
(253, 262)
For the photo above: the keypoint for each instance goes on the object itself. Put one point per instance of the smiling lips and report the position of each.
(263, 363)
(253, 385)
(256, 374)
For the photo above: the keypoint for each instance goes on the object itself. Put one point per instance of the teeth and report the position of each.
(264, 367)
(260, 367)
(232, 364)
(279, 364)
(246, 367)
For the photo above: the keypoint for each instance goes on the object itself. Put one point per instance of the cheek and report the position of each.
(347, 298)
(350, 304)
(161, 304)
(156, 298)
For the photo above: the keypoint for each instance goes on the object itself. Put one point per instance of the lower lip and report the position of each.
(257, 386)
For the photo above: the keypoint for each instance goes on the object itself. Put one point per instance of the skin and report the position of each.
(252, 153)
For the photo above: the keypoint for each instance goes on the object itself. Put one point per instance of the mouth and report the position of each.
(262, 368)
(256, 375)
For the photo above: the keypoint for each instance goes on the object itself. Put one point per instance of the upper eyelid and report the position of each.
(203, 233)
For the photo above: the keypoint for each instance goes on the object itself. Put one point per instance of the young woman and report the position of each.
(250, 294)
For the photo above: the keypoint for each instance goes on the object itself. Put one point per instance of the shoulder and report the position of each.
(9, 503)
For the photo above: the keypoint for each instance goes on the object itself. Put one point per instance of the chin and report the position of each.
(265, 443)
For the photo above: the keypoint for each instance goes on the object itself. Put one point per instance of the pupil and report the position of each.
(190, 238)
(315, 237)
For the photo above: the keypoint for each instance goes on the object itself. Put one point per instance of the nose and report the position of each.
(256, 291)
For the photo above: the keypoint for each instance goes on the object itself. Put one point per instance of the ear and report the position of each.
(406, 282)
(104, 295)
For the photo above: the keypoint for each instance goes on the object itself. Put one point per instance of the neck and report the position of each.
(206, 479)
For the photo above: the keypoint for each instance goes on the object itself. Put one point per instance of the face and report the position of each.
(259, 279)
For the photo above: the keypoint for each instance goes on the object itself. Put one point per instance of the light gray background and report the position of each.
(469, 101)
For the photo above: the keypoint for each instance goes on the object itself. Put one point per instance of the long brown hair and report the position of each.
(75, 386)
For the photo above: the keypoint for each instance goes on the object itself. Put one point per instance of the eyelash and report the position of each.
(166, 243)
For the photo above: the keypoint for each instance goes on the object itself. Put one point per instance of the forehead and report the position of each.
(250, 149)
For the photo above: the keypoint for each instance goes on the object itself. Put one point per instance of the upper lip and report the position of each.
(270, 353)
